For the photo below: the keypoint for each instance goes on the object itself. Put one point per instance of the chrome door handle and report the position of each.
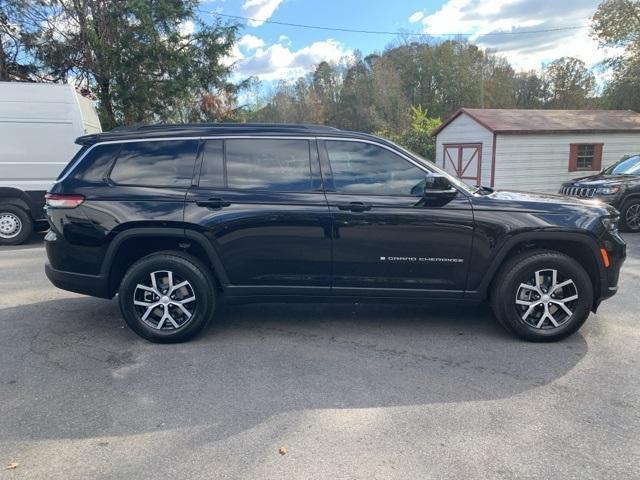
(213, 203)
(354, 206)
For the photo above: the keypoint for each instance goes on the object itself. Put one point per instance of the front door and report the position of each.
(463, 161)
(386, 240)
(260, 203)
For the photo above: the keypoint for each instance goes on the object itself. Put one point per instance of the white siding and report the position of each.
(466, 130)
(540, 163)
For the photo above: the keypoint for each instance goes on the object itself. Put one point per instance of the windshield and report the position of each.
(432, 166)
(628, 166)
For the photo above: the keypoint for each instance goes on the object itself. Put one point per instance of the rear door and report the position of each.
(386, 240)
(261, 205)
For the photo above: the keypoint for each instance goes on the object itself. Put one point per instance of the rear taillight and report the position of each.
(55, 200)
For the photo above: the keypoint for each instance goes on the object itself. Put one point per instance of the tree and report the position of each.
(418, 137)
(326, 82)
(16, 31)
(616, 23)
(570, 83)
(389, 100)
(497, 82)
(145, 61)
(355, 107)
(530, 90)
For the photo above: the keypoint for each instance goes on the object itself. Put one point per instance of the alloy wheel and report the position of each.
(547, 300)
(165, 302)
(632, 216)
(10, 225)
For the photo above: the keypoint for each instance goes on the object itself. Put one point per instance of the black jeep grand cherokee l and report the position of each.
(173, 218)
(617, 185)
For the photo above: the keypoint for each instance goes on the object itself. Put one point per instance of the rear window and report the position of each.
(69, 165)
(166, 163)
(95, 165)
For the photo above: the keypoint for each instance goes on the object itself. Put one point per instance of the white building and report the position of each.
(534, 150)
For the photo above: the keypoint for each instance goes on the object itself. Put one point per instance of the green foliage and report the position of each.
(417, 137)
(570, 83)
(390, 93)
(144, 61)
(616, 23)
(16, 30)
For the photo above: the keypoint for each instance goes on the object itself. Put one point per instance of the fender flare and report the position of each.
(522, 238)
(16, 197)
(631, 196)
(177, 233)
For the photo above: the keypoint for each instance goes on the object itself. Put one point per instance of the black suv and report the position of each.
(617, 185)
(175, 218)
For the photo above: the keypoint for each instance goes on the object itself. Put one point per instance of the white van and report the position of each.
(39, 123)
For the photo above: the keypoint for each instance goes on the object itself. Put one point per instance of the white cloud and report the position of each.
(279, 62)
(284, 40)
(524, 50)
(187, 27)
(235, 56)
(250, 42)
(416, 17)
(260, 10)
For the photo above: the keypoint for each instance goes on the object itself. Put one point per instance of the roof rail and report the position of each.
(177, 126)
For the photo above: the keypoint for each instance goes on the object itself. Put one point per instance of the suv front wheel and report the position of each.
(542, 296)
(167, 297)
(630, 215)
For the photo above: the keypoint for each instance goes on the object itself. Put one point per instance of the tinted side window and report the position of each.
(279, 165)
(163, 163)
(364, 168)
(212, 170)
(94, 167)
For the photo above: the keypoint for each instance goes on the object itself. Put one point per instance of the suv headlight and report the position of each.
(610, 223)
(611, 190)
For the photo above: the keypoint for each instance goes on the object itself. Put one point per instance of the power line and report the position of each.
(383, 32)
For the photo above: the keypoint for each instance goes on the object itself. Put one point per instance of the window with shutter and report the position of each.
(585, 156)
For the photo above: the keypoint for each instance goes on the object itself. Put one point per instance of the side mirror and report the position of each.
(438, 189)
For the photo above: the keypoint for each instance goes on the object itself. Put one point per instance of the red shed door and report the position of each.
(464, 161)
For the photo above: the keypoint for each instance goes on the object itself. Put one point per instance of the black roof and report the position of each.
(213, 129)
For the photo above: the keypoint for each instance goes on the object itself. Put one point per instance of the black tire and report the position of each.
(18, 218)
(179, 327)
(629, 221)
(517, 282)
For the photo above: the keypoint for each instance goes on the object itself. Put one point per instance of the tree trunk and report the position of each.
(4, 71)
(104, 95)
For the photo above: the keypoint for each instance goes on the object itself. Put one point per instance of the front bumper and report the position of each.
(94, 285)
(616, 250)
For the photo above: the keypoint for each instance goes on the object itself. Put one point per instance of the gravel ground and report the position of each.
(350, 391)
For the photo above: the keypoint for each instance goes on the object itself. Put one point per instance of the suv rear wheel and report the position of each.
(15, 225)
(542, 296)
(167, 297)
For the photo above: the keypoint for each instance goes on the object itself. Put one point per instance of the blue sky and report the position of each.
(274, 52)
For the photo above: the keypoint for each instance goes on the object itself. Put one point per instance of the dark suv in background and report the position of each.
(175, 218)
(617, 185)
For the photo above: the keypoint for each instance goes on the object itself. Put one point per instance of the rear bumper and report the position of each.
(94, 285)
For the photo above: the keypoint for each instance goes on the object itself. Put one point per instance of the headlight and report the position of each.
(612, 190)
(610, 223)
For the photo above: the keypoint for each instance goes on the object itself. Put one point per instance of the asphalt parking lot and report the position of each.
(350, 391)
